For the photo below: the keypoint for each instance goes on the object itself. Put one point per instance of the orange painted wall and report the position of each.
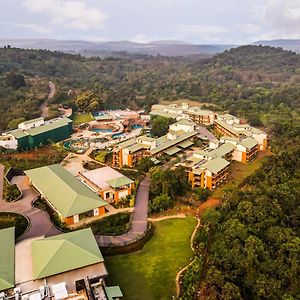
(209, 182)
(244, 157)
(69, 220)
(120, 158)
(101, 210)
(129, 160)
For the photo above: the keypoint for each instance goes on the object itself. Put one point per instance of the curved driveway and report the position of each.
(139, 220)
(41, 224)
(40, 221)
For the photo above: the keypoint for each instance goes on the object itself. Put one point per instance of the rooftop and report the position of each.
(66, 193)
(7, 258)
(106, 177)
(64, 252)
(171, 143)
(216, 165)
(33, 120)
(226, 126)
(248, 142)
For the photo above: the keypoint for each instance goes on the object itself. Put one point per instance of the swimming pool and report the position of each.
(102, 130)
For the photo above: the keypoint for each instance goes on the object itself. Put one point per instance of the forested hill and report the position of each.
(249, 76)
(265, 58)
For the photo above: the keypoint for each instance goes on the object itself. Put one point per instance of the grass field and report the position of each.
(239, 171)
(82, 118)
(150, 273)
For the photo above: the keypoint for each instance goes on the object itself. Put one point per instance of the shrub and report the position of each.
(11, 192)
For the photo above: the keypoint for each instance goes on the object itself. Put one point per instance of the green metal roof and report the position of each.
(172, 150)
(185, 144)
(48, 126)
(136, 147)
(185, 122)
(66, 193)
(64, 252)
(126, 144)
(146, 138)
(226, 126)
(155, 161)
(19, 133)
(113, 292)
(249, 143)
(216, 165)
(223, 150)
(170, 143)
(163, 114)
(7, 258)
(33, 120)
(118, 182)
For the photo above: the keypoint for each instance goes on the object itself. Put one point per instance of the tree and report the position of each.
(89, 101)
(15, 80)
(145, 164)
(161, 203)
(160, 125)
(202, 193)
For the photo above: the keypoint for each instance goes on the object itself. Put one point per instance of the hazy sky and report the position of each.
(197, 21)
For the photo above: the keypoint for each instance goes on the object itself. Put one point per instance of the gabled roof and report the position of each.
(118, 182)
(223, 149)
(248, 142)
(48, 126)
(185, 122)
(145, 138)
(33, 120)
(216, 165)
(7, 258)
(170, 143)
(227, 127)
(66, 193)
(64, 252)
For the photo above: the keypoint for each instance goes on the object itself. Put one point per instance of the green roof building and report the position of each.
(52, 131)
(7, 258)
(68, 196)
(64, 252)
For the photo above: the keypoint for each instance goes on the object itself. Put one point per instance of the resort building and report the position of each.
(246, 150)
(108, 183)
(64, 266)
(201, 117)
(208, 174)
(179, 137)
(72, 200)
(35, 133)
(225, 129)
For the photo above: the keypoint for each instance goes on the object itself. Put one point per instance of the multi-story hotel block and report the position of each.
(179, 137)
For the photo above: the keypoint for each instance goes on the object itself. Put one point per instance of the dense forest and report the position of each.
(249, 76)
(248, 247)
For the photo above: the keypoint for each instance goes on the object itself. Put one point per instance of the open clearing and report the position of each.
(150, 273)
(82, 118)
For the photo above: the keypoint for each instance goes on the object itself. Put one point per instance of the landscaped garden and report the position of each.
(150, 273)
(111, 225)
(9, 219)
(11, 192)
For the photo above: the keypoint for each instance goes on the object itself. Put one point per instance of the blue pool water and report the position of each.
(67, 145)
(136, 126)
(102, 130)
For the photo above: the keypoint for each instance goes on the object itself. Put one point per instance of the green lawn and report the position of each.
(82, 118)
(150, 273)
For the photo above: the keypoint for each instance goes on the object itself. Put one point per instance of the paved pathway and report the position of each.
(139, 219)
(40, 221)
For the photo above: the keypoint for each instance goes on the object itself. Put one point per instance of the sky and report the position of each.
(194, 21)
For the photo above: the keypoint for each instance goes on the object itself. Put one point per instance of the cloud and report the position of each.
(283, 17)
(76, 14)
(141, 39)
(34, 27)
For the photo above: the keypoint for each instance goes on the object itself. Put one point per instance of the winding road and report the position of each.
(40, 223)
(44, 107)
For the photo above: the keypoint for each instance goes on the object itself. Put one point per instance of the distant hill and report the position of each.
(286, 44)
(102, 49)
